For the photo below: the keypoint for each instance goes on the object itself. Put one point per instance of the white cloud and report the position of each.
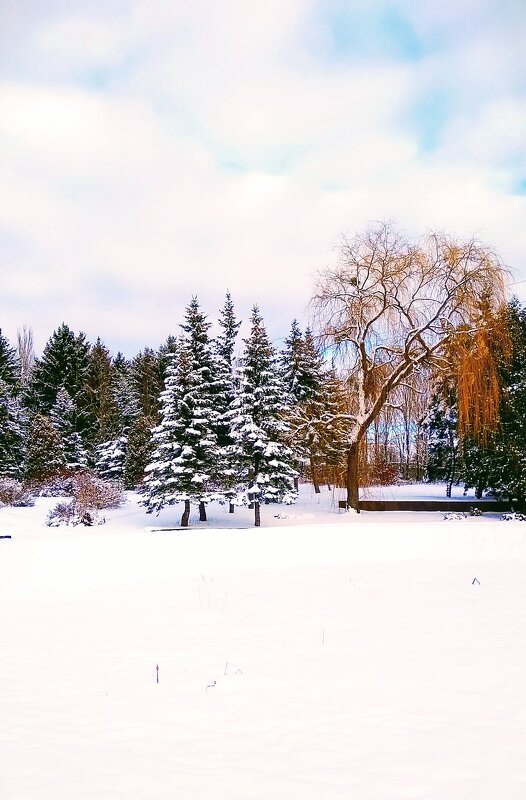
(219, 153)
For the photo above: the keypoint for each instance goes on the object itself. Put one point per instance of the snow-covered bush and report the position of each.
(453, 515)
(513, 516)
(475, 512)
(71, 513)
(90, 495)
(14, 493)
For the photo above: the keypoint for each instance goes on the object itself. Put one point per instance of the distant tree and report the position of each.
(25, 353)
(145, 376)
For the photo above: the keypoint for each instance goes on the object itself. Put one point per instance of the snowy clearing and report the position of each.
(324, 655)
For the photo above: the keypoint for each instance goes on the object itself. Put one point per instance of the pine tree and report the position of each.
(262, 459)
(63, 416)
(44, 455)
(185, 458)
(12, 433)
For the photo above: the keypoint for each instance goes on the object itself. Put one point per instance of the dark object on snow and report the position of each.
(474, 581)
(475, 512)
(6, 536)
(157, 671)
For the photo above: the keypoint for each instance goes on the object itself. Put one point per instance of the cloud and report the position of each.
(152, 151)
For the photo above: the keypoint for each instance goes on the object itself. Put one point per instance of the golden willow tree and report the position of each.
(391, 307)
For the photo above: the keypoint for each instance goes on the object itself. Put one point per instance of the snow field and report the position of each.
(346, 660)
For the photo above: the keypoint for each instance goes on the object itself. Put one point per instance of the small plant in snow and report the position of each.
(454, 515)
(513, 516)
(475, 512)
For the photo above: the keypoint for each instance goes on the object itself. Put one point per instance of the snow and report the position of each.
(324, 655)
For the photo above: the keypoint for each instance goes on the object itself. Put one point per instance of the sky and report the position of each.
(151, 151)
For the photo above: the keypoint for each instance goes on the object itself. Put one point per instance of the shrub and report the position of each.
(14, 493)
(90, 495)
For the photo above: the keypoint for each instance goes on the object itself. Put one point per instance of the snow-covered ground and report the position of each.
(322, 656)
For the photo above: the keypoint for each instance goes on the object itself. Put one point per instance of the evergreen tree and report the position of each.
(63, 417)
(44, 455)
(165, 355)
(12, 433)
(185, 457)
(262, 459)
(64, 363)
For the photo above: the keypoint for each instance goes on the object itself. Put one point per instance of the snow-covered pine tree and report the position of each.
(263, 459)
(185, 459)
(12, 433)
(63, 416)
(224, 392)
(44, 455)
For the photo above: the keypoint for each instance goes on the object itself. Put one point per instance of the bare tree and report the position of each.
(26, 352)
(390, 306)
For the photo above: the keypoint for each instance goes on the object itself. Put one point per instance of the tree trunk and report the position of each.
(202, 512)
(230, 508)
(186, 514)
(353, 499)
(257, 515)
(314, 477)
(297, 484)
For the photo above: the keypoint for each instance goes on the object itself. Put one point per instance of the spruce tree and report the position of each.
(261, 456)
(444, 461)
(111, 459)
(145, 376)
(185, 458)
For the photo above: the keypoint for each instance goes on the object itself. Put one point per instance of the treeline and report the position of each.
(199, 419)
(204, 418)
